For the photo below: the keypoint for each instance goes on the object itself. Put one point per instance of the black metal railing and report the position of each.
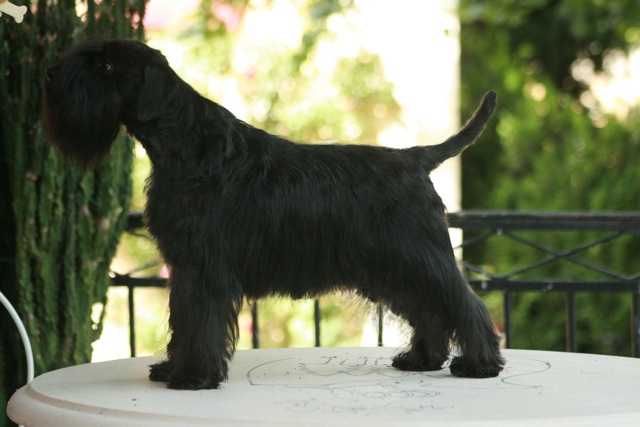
(523, 228)
(606, 228)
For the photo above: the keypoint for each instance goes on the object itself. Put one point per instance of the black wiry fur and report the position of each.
(238, 212)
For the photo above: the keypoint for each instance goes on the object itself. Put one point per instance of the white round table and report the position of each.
(341, 387)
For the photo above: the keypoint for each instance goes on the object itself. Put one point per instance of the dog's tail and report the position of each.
(433, 155)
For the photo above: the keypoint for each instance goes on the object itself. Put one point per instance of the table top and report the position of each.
(341, 387)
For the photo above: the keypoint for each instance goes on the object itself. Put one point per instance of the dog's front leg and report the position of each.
(203, 323)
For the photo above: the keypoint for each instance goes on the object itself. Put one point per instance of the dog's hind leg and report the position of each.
(203, 322)
(477, 339)
(443, 309)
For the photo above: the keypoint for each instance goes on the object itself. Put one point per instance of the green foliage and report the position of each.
(60, 226)
(549, 35)
(545, 150)
(283, 89)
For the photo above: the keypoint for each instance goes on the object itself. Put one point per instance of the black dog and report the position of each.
(238, 212)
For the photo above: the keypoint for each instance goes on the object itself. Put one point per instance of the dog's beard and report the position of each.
(82, 116)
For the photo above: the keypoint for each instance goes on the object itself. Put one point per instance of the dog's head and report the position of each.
(97, 86)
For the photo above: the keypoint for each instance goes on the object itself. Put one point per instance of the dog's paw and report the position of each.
(190, 382)
(160, 371)
(462, 368)
(165, 372)
(413, 361)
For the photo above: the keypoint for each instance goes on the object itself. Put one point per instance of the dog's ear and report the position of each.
(156, 93)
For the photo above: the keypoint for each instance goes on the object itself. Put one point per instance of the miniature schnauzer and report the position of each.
(237, 212)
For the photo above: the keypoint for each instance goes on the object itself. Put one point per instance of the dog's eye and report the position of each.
(107, 67)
